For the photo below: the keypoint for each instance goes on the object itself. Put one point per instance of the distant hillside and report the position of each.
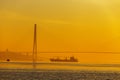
(14, 56)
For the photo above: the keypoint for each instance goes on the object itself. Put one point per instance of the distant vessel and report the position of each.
(72, 59)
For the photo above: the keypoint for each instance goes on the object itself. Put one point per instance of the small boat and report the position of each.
(71, 59)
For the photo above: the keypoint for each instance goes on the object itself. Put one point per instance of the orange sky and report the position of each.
(63, 25)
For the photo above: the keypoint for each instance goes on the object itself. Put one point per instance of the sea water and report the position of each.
(60, 66)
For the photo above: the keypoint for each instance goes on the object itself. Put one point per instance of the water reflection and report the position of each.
(60, 66)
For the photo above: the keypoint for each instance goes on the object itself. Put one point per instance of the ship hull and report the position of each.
(53, 60)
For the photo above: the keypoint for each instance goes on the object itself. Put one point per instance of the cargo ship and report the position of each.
(71, 59)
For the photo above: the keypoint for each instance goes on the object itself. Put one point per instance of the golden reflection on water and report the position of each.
(61, 66)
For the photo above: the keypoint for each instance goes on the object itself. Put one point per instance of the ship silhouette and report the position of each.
(71, 59)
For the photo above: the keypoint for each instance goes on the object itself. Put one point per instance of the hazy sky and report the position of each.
(63, 25)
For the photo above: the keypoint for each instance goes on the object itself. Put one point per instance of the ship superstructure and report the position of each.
(71, 59)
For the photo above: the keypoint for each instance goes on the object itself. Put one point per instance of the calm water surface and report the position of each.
(60, 66)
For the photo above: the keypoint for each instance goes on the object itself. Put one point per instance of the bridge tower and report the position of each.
(35, 47)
